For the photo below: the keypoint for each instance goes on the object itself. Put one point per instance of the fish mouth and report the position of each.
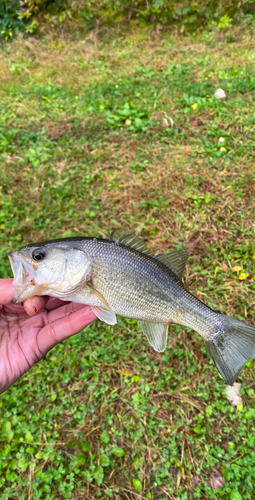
(29, 280)
(17, 268)
(24, 278)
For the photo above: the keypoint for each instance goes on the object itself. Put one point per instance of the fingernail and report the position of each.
(30, 312)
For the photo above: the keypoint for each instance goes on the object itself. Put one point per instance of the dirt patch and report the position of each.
(55, 131)
(216, 480)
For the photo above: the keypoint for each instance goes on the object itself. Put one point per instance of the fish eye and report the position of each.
(38, 254)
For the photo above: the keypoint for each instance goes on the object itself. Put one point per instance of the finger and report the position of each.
(62, 312)
(62, 328)
(53, 303)
(6, 291)
(34, 304)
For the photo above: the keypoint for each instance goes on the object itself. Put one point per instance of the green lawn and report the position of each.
(123, 130)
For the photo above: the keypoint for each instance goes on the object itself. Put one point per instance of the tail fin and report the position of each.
(232, 347)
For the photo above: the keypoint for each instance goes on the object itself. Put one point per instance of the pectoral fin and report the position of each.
(103, 313)
(99, 296)
(107, 316)
(156, 334)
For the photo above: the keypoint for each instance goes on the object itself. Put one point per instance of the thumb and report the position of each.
(6, 291)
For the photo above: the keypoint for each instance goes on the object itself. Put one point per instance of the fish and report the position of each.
(122, 276)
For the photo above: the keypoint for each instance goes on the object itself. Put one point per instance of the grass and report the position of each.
(84, 148)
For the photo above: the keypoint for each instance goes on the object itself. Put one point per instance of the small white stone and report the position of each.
(233, 394)
(220, 94)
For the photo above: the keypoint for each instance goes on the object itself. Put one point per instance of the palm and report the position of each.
(25, 339)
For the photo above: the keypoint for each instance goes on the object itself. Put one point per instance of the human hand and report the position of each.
(28, 332)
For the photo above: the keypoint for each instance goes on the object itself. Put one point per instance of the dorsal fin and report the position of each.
(175, 260)
(132, 240)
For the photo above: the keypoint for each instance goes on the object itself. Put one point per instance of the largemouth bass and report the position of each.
(122, 276)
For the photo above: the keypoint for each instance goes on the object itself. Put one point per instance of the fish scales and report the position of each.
(122, 276)
(144, 288)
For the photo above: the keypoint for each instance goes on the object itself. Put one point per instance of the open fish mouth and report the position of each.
(17, 268)
(28, 282)
(24, 278)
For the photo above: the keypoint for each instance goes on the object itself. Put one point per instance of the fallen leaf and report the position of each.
(125, 372)
(216, 480)
(233, 395)
(194, 106)
(237, 268)
(224, 266)
(239, 407)
(171, 121)
(243, 276)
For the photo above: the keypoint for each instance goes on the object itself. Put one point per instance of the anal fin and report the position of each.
(105, 315)
(156, 334)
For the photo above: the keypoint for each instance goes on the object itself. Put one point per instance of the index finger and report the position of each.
(6, 291)
(61, 327)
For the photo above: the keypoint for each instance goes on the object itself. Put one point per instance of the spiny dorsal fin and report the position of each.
(175, 260)
(132, 240)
